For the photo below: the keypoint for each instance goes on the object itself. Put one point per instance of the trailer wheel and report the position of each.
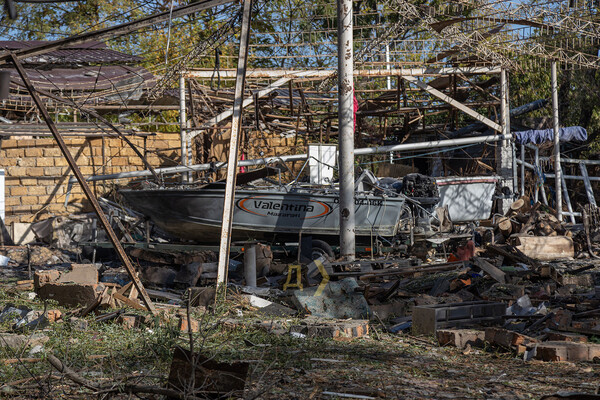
(321, 248)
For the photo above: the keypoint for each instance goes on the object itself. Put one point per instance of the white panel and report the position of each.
(322, 159)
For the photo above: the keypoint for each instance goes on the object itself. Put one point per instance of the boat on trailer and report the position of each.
(267, 212)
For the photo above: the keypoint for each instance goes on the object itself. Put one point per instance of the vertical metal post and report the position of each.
(236, 128)
(85, 187)
(388, 66)
(346, 128)
(183, 126)
(250, 264)
(588, 185)
(522, 170)
(557, 168)
(567, 199)
(504, 149)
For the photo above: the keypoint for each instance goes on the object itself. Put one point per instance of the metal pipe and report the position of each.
(323, 73)
(346, 128)
(567, 199)
(236, 128)
(537, 168)
(250, 264)
(522, 170)
(301, 157)
(183, 126)
(557, 168)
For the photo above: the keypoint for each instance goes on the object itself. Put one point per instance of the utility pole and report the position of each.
(504, 149)
(346, 128)
(557, 168)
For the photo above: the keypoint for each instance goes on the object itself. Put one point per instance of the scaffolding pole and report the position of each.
(557, 168)
(236, 128)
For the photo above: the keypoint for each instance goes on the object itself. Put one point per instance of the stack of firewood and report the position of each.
(536, 220)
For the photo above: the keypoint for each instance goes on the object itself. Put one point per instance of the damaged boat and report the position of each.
(268, 212)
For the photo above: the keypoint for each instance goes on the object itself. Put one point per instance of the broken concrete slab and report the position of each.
(202, 296)
(17, 342)
(85, 274)
(314, 327)
(71, 295)
(460, 337)
(337, 300)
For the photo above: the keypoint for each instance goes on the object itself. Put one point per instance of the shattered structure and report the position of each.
(127, 220)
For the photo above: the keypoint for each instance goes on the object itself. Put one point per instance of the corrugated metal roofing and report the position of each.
(86, 53)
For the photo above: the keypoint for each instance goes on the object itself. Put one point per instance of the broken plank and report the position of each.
(492, 270)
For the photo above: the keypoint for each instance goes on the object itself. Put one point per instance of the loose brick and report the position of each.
(506, 338)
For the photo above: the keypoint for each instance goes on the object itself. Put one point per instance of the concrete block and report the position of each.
(332, 329)
(567, 337)
(460, 337)
(508, 339)
(427, 319)
(85, 274)
(337, 300)
(567, 351)
(70, 295)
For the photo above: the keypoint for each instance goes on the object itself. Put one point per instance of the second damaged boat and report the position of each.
(270, 212)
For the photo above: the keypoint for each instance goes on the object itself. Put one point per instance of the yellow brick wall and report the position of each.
(37, 174)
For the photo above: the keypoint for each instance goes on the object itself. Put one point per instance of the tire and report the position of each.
(322, 248)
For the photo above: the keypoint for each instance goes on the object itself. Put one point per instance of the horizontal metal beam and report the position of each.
(302, 157)
(453, 102)
(284, 73)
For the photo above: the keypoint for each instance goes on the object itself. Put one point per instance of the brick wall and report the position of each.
(37, 174)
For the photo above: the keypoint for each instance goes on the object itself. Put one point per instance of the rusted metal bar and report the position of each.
(236, 128)
(84, 186)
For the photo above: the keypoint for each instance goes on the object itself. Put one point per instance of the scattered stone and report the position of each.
(17, 342)
(337, 300)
